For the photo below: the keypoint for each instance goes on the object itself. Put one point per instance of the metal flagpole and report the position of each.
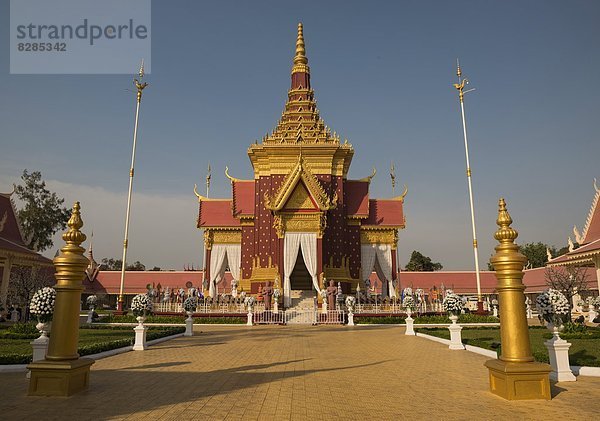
(140, 87)
(393, 178)
(208, 182)
(461, 93)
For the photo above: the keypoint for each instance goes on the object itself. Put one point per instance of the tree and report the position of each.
(42, 214)
(569, 280)
(25, 281)
(420, 263)
(536, 253)
(115, 264)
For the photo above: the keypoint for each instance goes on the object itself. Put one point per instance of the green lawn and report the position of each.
(18, 351)
(584, 352)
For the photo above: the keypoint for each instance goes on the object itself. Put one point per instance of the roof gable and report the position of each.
(591, 231)
(10, 228)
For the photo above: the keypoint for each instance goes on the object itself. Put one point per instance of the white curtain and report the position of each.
(291, 244)
(234, 259)
(308, 243)
(368, 254)
(384, 260)
(218, 262)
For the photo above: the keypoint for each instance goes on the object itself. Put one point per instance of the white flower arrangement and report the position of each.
(249, 302)
(597, 301)
(323, 293)
(453, 304)
(494, 302)
(408, 291)
(553, 307)
(141, 305)
(590, 301)
(243, 295)
(408, 302)
(91, 302)
(276, 294)
(190, 304)
(42, 304)
(580, 303)
(350, 302)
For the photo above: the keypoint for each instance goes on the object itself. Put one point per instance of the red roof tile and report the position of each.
(357, 197)
(8, 222)
(385, 212)
(216, 213)
(243, 197)
(109, 282)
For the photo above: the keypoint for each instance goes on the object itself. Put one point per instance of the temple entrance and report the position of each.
(300, 279)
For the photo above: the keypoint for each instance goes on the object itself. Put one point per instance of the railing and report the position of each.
(202, 308)
(301, 316)
(331, 317)
(269, 317)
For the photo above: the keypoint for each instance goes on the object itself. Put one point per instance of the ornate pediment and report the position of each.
(301, 174)
(300, 199)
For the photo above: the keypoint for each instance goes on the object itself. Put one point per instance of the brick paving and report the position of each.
(294, 373)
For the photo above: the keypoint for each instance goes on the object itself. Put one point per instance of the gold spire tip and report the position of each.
(458, 71)
(74, 235)
(505, 231)
(300, 57)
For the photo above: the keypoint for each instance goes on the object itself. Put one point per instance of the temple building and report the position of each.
(300, 220)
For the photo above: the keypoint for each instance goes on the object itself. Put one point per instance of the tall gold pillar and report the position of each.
(63, 373)
(515, 375)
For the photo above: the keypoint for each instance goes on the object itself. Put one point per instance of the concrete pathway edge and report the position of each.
(577, 370)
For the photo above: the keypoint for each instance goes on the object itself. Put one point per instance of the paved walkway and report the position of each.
(280, 373)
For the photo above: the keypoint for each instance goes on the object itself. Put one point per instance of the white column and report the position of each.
(5, 279)
(558, 351)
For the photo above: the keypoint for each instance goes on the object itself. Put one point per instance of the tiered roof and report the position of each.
(589, 248)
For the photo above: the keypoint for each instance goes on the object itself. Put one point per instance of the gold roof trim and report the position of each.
(369, 177)
(300, 172)
(207, 199)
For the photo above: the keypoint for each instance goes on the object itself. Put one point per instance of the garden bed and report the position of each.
(584, 351)
(92, 339)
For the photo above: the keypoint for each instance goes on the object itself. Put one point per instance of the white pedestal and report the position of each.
(529, 312)
(14, 316)
(249, 322)
(324, 307)
(276, 307)
(495, 311)
(409, 326)
(140, 337)
(455, 336)
(90, 316)
(558, 351)
(592, 315)
(40, 349)
(350, 318)
(189, 326)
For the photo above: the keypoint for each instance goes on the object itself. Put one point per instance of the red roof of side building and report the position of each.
(385, 212)
(464, 282)
(357, 198)
(216, 213)
(109, 282)
(9, 225)
(243, 197)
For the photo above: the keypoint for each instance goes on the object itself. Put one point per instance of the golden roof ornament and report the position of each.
(300, 59)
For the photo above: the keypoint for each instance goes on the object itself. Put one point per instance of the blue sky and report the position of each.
(382, 73)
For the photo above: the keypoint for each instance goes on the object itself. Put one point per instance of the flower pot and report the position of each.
(453, 318)
(141, 320)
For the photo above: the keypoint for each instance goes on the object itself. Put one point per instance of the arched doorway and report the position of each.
(300, 279)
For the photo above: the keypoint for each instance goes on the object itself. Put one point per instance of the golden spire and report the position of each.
(300, 60)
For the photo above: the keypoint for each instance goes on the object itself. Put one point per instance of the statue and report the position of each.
(331, 295)
(234, 285)
(267, 292)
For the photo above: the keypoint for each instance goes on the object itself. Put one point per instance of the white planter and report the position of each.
(249, 322)
(40, 345)
(558, 351)
(90, 316)
(140, 335)
(409, 326)
(455, 334)
(189, 325)
(350, 318)
(495, 311)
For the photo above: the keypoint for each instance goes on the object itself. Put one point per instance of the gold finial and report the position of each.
(138, 83)
(74, 236)
(505, 233)
(300, 57)
(458, 72)
(460, 86)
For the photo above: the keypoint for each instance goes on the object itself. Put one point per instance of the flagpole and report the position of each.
(393, 179)
(140, 87)
(461, 93)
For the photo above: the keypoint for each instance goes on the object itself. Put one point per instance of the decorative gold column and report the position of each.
(515, 375)
(63, 373)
